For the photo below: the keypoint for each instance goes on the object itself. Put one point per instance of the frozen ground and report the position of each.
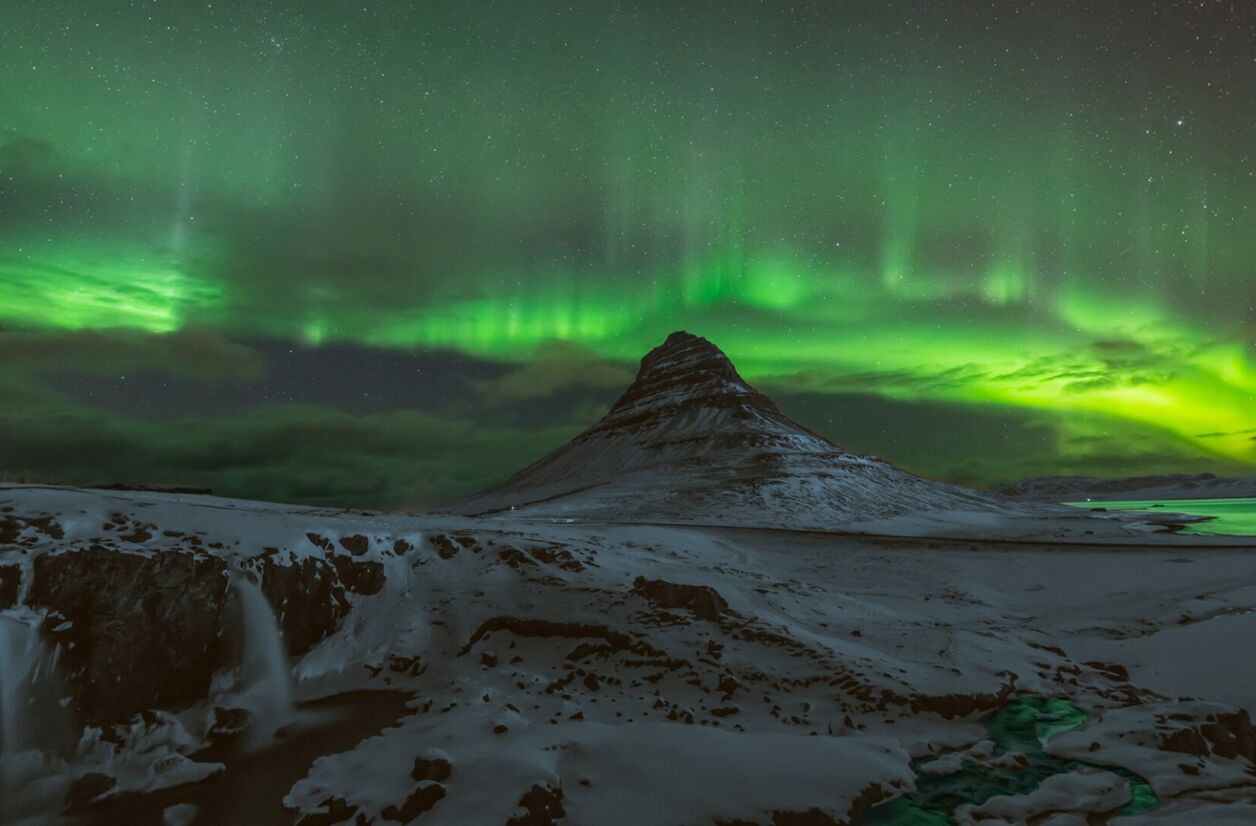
(601, 673)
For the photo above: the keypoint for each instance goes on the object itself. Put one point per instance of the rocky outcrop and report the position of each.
(539, 806)
(1227, 735)
(701, 600)
(149, 630)
(10, 584)
(136, 631)
(308, 599)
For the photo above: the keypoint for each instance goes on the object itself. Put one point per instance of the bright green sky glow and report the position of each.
(958, 206)
(69, 287)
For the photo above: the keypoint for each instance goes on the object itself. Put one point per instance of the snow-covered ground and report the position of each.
(609, 673)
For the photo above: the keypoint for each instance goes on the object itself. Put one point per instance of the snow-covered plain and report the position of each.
(608, 673)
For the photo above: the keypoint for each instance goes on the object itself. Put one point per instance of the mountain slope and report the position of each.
(690, 441)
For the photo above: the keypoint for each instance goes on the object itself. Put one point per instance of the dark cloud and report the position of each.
(558, 366)
(337, 425)
(909, 381)
(280, 453)
(348, 377)
(196, 355)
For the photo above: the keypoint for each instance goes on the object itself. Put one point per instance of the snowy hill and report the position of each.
(689, 441)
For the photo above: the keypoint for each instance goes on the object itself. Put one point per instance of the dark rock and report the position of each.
(445, 547)
(406, 665)
(320, 541)
(136, 631)
(514, 558)
(547, 628)
(1224, 735)
(436, 768)
(951, 706)
(542, 805)
(356, 544)
(141, 631)
(811, 817)
(229, 724)
(338, 811)
(10, 582)
(308, 600)
(869, 797)
(88, 787)
(138, 536)
(10, 530)
(423, 799)
(365, 578)
(1231, 735)
(702, 600)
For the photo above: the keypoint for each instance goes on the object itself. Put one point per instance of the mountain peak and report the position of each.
(684, 354)
(685, 372)
(689, 440)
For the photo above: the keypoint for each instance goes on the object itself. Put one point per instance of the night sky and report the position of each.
(384, 253)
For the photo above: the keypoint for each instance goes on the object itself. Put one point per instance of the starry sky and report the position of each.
(383, 253)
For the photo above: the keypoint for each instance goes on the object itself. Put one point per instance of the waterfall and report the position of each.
(266, 679)
(32, 718)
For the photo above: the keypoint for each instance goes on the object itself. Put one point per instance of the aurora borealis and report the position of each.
(384, 253)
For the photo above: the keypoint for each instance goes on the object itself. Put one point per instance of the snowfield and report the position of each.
(602, 673)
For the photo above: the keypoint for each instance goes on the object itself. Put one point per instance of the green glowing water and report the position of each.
(1236, 517)
(1023, 726)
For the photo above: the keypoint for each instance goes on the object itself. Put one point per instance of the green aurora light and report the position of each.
(911, 204)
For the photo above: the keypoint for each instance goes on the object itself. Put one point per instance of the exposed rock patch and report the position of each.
(137, 631)
(10, 583)
(702, 600)
(542, 806)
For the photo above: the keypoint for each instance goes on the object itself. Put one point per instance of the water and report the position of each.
(33, 720)
(265, 675)
(252, 788)
(1023, 726)
(1236, 517)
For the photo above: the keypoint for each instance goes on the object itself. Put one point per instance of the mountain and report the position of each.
(1168, 486)
(690, 441)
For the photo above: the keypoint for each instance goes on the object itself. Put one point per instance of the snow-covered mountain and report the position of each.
(690, 441)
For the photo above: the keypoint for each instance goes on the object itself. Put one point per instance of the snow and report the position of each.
(832, 650)
(1084, 790)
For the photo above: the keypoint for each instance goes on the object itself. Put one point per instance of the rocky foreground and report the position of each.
(536, 672)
